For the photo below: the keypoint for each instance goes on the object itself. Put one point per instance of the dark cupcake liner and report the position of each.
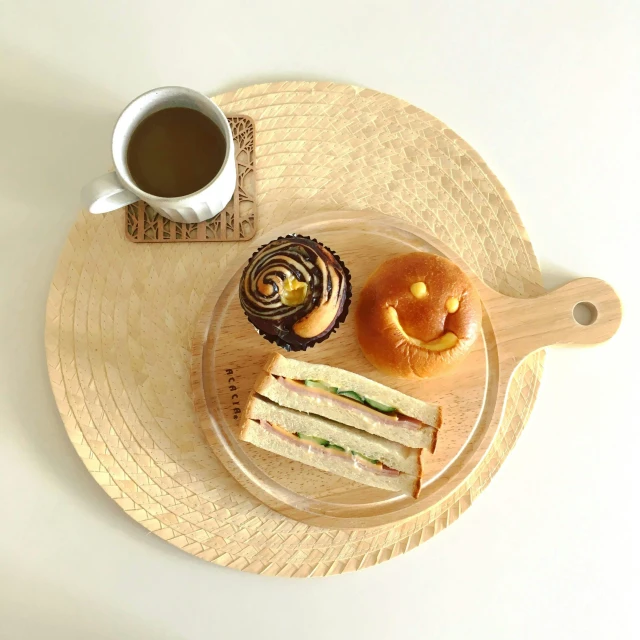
(342, 316)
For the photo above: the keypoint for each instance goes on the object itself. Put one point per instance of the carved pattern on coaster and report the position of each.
(237, 222)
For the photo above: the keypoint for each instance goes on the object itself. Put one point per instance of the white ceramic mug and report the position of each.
(117, 189)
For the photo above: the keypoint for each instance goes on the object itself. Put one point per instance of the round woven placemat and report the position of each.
(120, 319)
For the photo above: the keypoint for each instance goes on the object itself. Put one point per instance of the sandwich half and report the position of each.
(350, 399)
(342, 423)
(333, 447)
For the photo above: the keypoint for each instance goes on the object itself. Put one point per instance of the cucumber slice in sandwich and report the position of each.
(320, 385)
(378, 406)
(371, 460)
(321, 441)
(353, 395)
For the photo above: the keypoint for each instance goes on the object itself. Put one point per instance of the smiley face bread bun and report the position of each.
(418, 315)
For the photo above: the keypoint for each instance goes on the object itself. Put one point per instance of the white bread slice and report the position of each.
(430, 414)
(392, 454)
(257, 435)
(350, 413)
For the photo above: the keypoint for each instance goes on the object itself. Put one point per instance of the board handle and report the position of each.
(583, 312)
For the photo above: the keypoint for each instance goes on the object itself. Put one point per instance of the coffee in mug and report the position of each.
(172, 147)
(175, 152)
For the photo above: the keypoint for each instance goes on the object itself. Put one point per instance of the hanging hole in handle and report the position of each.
(585, 313)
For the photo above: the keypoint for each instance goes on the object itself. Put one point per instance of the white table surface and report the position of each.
(548, 93)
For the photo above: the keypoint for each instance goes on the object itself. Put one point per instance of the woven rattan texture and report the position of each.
(120, 319)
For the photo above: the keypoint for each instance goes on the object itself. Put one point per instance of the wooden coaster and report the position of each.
(236, 223)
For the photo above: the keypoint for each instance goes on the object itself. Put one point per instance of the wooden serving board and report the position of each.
(228, 355)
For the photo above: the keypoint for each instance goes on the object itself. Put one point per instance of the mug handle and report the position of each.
(105, 194)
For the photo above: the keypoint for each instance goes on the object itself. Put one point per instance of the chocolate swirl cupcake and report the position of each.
(295, 292)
